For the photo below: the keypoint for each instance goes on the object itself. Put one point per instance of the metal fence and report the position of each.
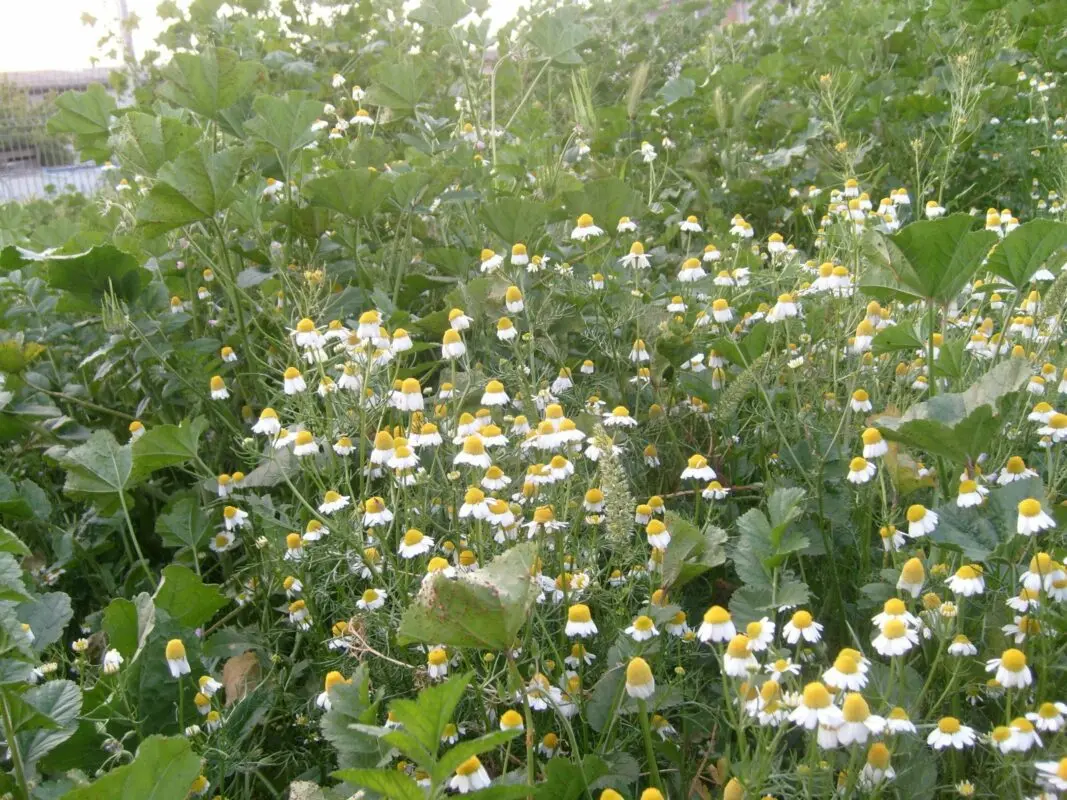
(33, 162)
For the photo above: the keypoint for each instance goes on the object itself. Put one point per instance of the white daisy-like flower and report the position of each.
(860, 470)
(1011, 669)
(585, 229)
(802, 626)
(371, 600)
(1032, 518)
(895, 638)
(690, 225)
(415, 543)
(580, 621)
(967, 581)
(921, 520)
(642, 629)
(950, 732)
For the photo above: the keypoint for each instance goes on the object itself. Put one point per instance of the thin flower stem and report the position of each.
(650, 753)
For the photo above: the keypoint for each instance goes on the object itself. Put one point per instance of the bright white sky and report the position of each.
(49, 34)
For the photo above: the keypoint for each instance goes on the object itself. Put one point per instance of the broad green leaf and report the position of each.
(14, 641)
(606, 200)
(145, 142)
(439, 13)
(929, 260)
(931, 436)
(425, 717)
(12, 588)
(356, 193)
(10, 543)
(61, 702)
(896, 338)
(184, 596)
(48, 616)
(390, 783)
(514, 219)
(448, 762)
(284, 123)
(25, 717)
(99, 469)
(784, 505)
(691, 552)
(184, 523)
(120, 624)
(1026, 249)
(164, 769)
(565, 780)
(607, 694)
(398, 85)
(209, 81)
(86, 115)
(12, 504)
(677, 88)
(166, 446)
(92, 274)
(952, 407)
(193, 187)
(558, 34)
(484, 609)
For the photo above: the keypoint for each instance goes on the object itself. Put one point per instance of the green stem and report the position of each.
(650, 754)
(21, 788)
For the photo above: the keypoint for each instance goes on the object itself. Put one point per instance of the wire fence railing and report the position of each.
(34, 162)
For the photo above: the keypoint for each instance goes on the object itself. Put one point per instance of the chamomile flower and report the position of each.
(177, 661)
(1053, 774)
(697, 469)
(717, 626)
(845, 674)
(782, 667)
(586, 229)
(760, 634)
(636, 258)
(738, 660)
(1011, 669)
(858, 723)
(218, 388)
(971, 494)
(414, 543)
(912, 577)
(371, 600)
(1014, 470)
(376, 513)
(802, 626)
(1049, 717)
(580, 621)
(860, 470)
(658, 535)
(333, 678)
(921, 520)
(293, 382)
(1032, 518)
(860, 402)
(816, 708)
(639, 681)
(950, 732)
(874, 445)
(962, 647)
(642, 629)
(967, 581)
(895, 638)
(691, 271)
(470, 776)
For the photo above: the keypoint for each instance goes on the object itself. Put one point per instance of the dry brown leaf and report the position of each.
(240, 675)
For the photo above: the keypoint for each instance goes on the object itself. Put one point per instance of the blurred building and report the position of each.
(33, 162)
